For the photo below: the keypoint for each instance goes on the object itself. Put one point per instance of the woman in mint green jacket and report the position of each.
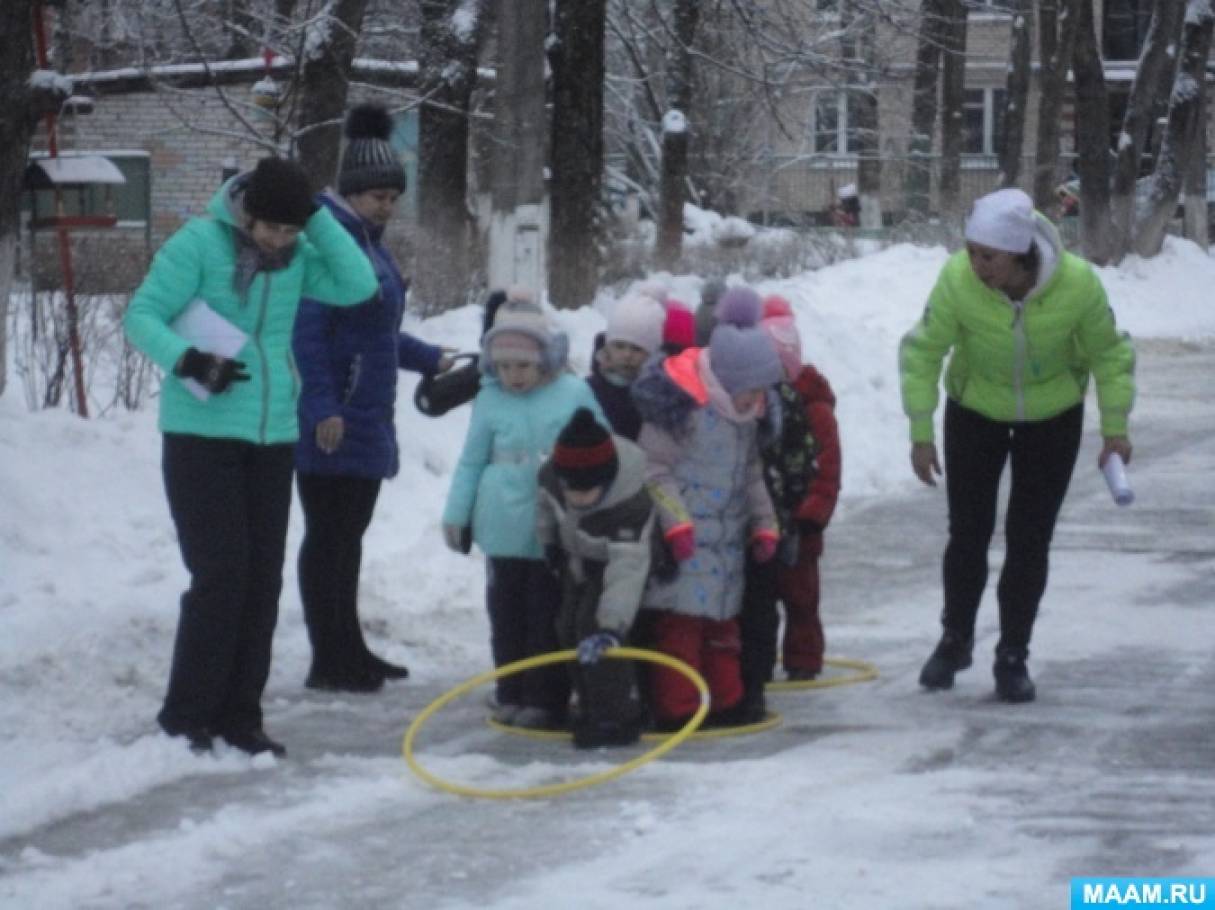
(1027, 324)
(216, 313)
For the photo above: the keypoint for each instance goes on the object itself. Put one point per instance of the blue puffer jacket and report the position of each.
(348, 360)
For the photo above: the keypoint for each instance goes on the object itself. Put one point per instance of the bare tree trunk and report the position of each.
(448, 76)
(1020, 42)
(858, 34)
(673, 180)
(1157, 66)
(18, 117)
(1092, 136)
(917, 181)
(1183, 139)
(1057, 33)
(324, 84)
(576, 58)
(953, 93)
(518, 218)
(1197, 226)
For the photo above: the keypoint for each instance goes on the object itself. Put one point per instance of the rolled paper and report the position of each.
(1115, 479)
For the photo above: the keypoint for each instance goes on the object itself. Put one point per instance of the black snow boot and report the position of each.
(1012, 677)
(254, 741)
(951, 655)
(596, 734)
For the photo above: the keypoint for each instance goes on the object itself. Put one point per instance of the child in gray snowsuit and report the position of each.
(595, 520)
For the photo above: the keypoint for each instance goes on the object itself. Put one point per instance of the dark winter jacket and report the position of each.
(800, 447)
(605, 549)
(615, 399)
(348, 360)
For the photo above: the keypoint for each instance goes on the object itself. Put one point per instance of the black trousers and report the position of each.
(337, 511)
(524, 597)
(230, 501)
(608, 692)
(759, 627)
(1043, 455)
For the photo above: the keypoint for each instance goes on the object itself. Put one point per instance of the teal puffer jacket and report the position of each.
(200, 262)
(495, 485)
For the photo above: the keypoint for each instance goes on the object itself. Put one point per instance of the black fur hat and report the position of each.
(369, 161)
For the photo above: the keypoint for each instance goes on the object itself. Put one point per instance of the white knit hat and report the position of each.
(1003, 220)
(637, 320)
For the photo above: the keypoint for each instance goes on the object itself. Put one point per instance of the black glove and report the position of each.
(213, 373)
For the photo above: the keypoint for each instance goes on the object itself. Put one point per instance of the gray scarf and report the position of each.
(251, 259)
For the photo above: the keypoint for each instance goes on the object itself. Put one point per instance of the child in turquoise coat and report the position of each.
(525, 400)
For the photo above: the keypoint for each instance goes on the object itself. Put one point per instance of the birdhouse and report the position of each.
(76, 178)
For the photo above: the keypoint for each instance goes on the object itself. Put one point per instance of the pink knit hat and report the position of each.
(778, 324)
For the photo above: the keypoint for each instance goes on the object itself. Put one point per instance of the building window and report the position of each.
(1124, 26)
(832, 131)
(983, 121)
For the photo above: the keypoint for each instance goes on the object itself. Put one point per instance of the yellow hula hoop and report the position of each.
(542, 660)
(771, 721)
(865, 672)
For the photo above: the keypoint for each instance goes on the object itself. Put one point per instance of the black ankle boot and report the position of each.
(1012, 677)
(952, 654)
(355, 679)
(385, 668)
(254, 741)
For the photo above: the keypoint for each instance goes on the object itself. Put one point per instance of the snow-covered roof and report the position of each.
(46, 172)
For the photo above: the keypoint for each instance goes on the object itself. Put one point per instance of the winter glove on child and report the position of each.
(591, 648)
(212, 372)
(682, 541)
(458, 538)
(763, 544)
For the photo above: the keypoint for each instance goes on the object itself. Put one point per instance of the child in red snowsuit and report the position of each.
(801, 453)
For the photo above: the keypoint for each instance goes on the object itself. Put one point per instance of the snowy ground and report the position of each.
(869, 796)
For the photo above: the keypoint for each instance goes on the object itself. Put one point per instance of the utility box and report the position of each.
(518, 244)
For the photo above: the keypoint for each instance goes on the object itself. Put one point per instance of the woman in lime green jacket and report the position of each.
(1027, 324)
(216, 313)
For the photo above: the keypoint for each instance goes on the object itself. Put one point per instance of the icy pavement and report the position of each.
(869, 796)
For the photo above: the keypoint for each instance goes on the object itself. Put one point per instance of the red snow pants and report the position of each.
(711, 647)
(798, 589)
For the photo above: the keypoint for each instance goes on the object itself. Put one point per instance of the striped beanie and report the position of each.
(585, 456)
(369, 161)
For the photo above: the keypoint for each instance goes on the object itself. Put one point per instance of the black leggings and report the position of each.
(1043, 454)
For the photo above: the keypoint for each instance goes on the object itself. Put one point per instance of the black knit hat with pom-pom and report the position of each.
(585, 456)
(369, 161)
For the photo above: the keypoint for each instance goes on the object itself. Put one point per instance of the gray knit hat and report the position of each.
(743, 358)
(369, 161)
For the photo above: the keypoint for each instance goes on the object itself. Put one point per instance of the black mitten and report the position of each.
(213, 373)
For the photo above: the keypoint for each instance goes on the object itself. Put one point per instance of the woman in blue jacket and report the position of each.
(229, 425)
(349, 360)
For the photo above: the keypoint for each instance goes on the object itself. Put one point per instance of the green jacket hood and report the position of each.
(228, 203)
